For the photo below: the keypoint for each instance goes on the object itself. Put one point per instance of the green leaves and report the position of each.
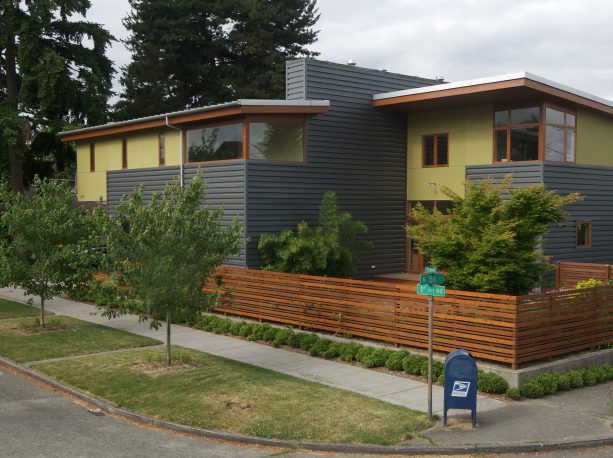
(488, 243)
(332, 248)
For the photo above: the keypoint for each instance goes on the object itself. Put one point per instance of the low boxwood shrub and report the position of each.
(549, 382)
(307, 341)
(412, 364)
(333, 351)
(269, 335)
(513, 393)
(564, 382)
(531, 389)
(319, 347)
(246, 329)
(375, 358)
(222, 326)
(437, 369)
(349, 351)
(490, 382)
(282, 337)
(236, 327)
(441, 378)
(395, 359)
(590, 375)
(576, 379)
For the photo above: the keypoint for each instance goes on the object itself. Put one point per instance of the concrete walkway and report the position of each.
(395, 390)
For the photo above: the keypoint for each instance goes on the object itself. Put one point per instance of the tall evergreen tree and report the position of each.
(53, 72)
(198, 52)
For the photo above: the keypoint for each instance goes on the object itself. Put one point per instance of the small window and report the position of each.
(124, 154)
(215, 143)
(584, 234)
(92, 157)
(276, 141)
(162, 149)
(435, 150)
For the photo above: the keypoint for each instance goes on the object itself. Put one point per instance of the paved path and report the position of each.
(395, 390)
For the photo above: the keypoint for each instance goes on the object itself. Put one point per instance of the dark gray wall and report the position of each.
(226, 187)
(356, 150)
(595, 183)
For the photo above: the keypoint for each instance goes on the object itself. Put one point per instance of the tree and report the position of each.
(53, 73)
(488, 243)
(48, 246)
(333, 248)
(165, 251)
(190, 53)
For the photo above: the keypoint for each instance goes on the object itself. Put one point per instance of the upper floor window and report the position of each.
(559, 135)
(435, 150)
(276, 141)
(124, 154)
(516, 134)
(215, 143)
(92, 157)
(162, 149)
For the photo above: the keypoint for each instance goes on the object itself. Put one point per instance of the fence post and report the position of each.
(558, 274)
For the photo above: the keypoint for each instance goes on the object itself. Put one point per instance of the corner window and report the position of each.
(584, 234)
(276, 141)
(559, 135)
(435, 150)
(162, 149)
(124, 154)
(215, 143)
(92, 157)
(516, 134)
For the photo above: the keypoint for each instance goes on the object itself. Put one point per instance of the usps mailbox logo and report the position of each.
(460, 389)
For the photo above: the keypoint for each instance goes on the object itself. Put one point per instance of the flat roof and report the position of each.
(210, 112)
(513, 84)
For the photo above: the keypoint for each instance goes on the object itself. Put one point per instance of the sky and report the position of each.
(568, 41)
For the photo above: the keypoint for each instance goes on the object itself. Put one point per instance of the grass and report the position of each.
(10, 309)
(224, 395)
(22, 341)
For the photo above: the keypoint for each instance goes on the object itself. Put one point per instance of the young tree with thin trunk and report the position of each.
(48, 246)
(164, 251)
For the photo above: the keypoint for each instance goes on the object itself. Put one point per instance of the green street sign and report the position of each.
(430, 270)
(431, 279)
(431, 290)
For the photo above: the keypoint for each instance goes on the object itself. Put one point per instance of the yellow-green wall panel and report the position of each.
(91, 186)
(470, 143)
(594, 138)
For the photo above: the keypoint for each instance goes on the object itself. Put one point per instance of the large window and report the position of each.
(516, 134)
(215, 143)
(276, 141)
(435, 150)
(559, 135)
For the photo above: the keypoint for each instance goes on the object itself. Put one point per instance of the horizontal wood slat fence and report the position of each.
(568, 274)
(508, 329)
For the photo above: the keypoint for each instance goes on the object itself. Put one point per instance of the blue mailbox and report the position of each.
(460, 384)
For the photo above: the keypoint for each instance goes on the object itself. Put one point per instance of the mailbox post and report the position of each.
(460, 384)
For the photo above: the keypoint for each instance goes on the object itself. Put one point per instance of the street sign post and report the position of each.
(429, 285)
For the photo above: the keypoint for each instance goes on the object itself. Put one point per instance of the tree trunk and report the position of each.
(42, 311)
(12, 89)
(168, 355)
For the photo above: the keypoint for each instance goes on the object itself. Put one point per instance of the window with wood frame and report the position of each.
(584, 234)
(124, 154)
(435, 150)
(516, 134)
(92, 157)
(215, 143)
(277, 140)
(560, 134)
(162, 149)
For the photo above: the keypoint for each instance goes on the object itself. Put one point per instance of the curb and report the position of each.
(314, 446)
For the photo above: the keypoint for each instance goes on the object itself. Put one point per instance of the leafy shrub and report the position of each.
(513, 393)
(489, 382)
(531, 389)
(576, 379)
(394, 360)
(307, 340)
(589, 283)
(591, 375)
(608, 371)
(319, 347)
(376, 357)
(363, 353)
(412, 364)
(349, 351)
(564, 382)
(441, 378)
(282, 337)
(205, 322)
(247, 329)
(236, 327)
(333, 351)
(294, 340)
(438, 368)
(269, 335)
(549, 382)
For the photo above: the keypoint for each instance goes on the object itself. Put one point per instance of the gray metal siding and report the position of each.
(356, 150)
(226, 187)
(595, 183)
(523, 174)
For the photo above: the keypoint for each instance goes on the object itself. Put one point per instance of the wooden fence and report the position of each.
(509, 329)
(568, 274)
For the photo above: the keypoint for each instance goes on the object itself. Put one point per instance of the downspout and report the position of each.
(180, 149)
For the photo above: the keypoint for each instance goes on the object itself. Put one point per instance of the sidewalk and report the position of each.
(577, 415)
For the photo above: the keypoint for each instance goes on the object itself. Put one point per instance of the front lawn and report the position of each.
(22, 341)
(10, 309)
(223, 395)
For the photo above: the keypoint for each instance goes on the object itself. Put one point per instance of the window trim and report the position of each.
(288, 119)
(227, 122)
(565, 127)
(92, 157)
(423, 150)
(161, 145)
(124, 153)
(588, 234)
(509, 126)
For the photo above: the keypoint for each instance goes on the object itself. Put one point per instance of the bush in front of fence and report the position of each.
(370, 357)
(551, 383)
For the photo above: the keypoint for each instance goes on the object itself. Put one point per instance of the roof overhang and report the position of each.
(213, 112)
(498, 89)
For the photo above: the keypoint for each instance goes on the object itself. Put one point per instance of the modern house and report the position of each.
(382, 141)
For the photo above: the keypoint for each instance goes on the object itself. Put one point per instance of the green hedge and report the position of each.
(551, 383)
(395, 360)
